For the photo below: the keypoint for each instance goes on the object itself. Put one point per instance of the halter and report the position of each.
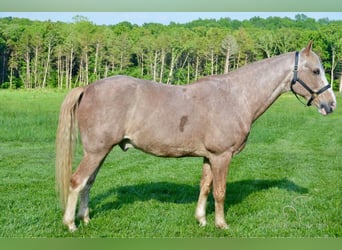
(295, 79)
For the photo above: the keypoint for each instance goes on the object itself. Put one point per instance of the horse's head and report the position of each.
(309, 81)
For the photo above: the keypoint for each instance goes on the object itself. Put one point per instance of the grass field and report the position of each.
(286, 183)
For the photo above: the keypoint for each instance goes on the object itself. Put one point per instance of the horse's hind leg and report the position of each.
(83, 211)
(81, 181)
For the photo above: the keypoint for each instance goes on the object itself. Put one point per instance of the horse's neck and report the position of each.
(263, 82)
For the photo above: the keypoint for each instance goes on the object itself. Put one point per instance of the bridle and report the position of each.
(295, 79)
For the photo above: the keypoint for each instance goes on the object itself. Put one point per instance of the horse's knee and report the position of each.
(219, 195)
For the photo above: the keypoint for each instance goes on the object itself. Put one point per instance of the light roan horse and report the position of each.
(211, 118)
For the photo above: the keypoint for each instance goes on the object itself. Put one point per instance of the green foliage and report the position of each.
(286, 183)
(54, 54)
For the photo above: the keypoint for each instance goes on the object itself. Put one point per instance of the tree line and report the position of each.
(36, 54)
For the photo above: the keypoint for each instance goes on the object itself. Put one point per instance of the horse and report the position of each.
(210, 118)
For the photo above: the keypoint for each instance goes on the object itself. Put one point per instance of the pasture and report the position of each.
(286, 183)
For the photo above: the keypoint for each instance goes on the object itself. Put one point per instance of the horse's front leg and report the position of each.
(206, 181)
(219, 167)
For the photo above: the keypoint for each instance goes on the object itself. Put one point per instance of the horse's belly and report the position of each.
(170, 147)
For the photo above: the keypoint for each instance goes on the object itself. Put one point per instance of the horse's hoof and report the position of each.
(85, 219)
(222, 225)
(72, 227)
(201, 220)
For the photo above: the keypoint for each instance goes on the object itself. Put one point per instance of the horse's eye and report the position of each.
(316, 71)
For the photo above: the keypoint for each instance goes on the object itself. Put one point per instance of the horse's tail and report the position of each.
(65, 142)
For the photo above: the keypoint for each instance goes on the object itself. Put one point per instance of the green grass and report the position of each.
(286, 183)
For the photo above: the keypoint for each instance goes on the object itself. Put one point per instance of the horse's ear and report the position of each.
(308, 49)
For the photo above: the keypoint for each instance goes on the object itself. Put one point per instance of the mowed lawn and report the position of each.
(286, 183)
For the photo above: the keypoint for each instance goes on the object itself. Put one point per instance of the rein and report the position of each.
(296, 79)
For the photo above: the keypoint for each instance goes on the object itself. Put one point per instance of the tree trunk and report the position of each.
(212, 62)
(188, 78)
(106, 71)
(70, 67)
(161, 75)
(3, 67)
(172, 65)
(96, 59)
(216, 65)
(28, 72)
(35, 68)
(67, 74)
(80, 73)
(142, 65)
(246, 59)
(155, 66)
(226, 64)
(13, 65)
(113, 64)
(47, 65)
(121, 61)
(11, 78)
(333, 65)
(238, 60)
(197, 67)
(59, 70)
(86, 69)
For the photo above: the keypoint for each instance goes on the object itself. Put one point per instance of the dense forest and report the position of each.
(36, 54)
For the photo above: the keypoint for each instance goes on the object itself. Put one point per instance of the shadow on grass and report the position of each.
(183, 194)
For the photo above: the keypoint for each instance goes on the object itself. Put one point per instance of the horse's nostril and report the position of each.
(326, 107)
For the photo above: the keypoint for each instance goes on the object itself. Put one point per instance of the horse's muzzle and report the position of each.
(327, 108)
